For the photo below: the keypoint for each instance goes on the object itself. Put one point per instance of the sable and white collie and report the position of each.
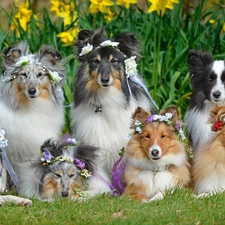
(209, 159)
(207, 79)
(62, 169)
(156, 158)
(31, 102)
(107, 91)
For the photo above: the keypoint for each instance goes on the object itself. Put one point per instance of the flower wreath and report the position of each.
(47, 158)
(161, 118)
(25, 60)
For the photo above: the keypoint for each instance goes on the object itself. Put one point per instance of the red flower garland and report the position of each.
(218, 125)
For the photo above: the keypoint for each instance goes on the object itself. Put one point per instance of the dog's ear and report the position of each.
(139, 114)
(197, 58)
(215, 113)
(50, 54)
(12, 53)
(128, 44)
(87, 36)
(174, 111)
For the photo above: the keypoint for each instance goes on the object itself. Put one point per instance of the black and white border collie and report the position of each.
(207, 80)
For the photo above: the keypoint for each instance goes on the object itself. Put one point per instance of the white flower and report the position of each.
(23, 60)
(86, 49)
(138, 129)
(3, 141)
(182, 134)
(156, 117)
(169, 115)
(137, 123)
(54, 77)
(109, 43)
(131, 67)
(163, 118)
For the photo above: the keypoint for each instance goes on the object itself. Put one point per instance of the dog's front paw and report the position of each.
(25, 202)
(158, 196)
(203, 195)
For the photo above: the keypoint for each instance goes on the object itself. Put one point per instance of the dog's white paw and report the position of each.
(203, 195)
(156, 197)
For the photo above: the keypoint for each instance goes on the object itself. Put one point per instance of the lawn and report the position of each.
(177, 208)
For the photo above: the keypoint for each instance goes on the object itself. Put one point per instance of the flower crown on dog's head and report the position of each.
(130, 63)
(3, 141)
(47, 158)
(53, 75)
(166, 118)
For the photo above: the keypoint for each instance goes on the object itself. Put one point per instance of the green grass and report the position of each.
(177, 208)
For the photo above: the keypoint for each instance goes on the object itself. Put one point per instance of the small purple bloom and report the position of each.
(79, 164)
(149, 119)
(71, 141)
(47, 156)
(177, 125)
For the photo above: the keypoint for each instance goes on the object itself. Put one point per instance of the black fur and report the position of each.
(128, 46)
(202, 77)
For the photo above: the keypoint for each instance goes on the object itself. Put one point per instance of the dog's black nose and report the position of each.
(65, 193)
(155, 152)
(105, 80)
(32, 91)
(217, 94)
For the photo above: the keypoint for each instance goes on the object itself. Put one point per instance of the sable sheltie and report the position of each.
(106, 93)
(209, 159)
(156, 158)
(62, 169)
(31, 102)
(207, 79)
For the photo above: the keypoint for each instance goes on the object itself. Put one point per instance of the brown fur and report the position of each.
(209, 159)
(165, 135)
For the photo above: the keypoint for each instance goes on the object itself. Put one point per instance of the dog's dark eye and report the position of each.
(57, 175)
(23, 74)
(163, 136)
(114, 61)
(39, 75)
(95, 61)
(72, 175)
(147, 136)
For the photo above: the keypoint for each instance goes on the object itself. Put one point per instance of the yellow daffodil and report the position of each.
(126, 3)
(161, 5)
(212, 21)
(22, 17)
(223, 27)
(100, 5)
(109, 16)
(68, 37)
(55, 6)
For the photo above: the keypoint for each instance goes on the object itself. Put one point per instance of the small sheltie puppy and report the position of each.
(62, 169)
(207, 79)
(156, 158)
(209, 159)
(31, 102)
(107, 91)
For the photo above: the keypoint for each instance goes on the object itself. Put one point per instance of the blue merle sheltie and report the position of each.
(207, 79)
(31, 101)
(61, 169)
(107, 91)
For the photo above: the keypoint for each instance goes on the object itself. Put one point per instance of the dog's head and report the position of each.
(33, 75)
(104, 61)
(64, 168)
(207, 77)
(217, 118)
(155, 136)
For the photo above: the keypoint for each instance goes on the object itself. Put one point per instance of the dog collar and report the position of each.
(160, 169)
